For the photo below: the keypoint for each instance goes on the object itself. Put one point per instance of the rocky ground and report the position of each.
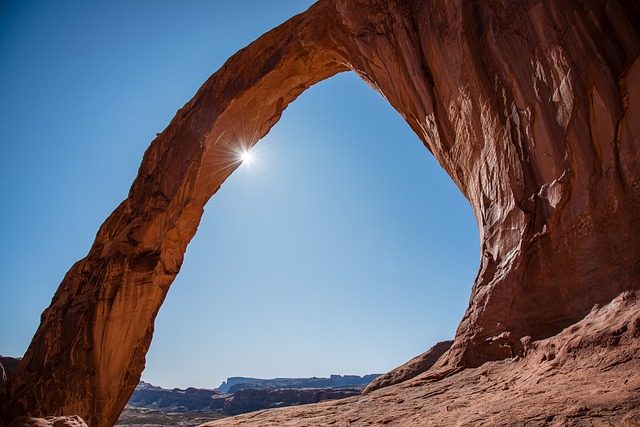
(140, 417)
(587, 375)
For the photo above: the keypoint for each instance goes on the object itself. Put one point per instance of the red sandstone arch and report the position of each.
(533, 110)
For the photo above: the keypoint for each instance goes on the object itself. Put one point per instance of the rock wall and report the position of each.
(7, 366)
(532, 107)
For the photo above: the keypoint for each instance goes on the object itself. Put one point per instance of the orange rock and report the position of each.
(532, 108)
(72, 421)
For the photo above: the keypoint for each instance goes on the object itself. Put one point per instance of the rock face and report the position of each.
(532, 107)
(7, 366)
(412, 368)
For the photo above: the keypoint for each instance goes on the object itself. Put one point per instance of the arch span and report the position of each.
(541, 138)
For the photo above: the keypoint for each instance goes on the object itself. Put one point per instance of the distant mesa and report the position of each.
(232, 381)
(239, 395)
(190, 400)
(234, 384)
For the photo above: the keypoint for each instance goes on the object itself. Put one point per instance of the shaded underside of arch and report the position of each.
(532, 109)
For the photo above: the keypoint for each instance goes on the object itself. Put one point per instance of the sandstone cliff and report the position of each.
(532, 107)
(7, 366)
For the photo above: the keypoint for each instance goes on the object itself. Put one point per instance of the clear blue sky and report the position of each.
(343, 249)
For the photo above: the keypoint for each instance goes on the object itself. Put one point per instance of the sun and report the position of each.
(246, 156)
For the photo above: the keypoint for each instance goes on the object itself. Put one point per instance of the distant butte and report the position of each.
(532, 107)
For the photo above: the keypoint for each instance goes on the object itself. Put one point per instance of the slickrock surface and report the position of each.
(531, 106)
(585, 376)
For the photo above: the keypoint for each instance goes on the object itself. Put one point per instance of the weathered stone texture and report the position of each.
(72, 421)
(532, 107)
(7, 366)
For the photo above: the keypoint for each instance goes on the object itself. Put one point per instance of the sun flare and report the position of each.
(246, 156)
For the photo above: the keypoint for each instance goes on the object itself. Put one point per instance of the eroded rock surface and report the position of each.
(71, 421)
(532, 107)
(7, 366)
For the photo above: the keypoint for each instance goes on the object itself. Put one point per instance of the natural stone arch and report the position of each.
(541, 138)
